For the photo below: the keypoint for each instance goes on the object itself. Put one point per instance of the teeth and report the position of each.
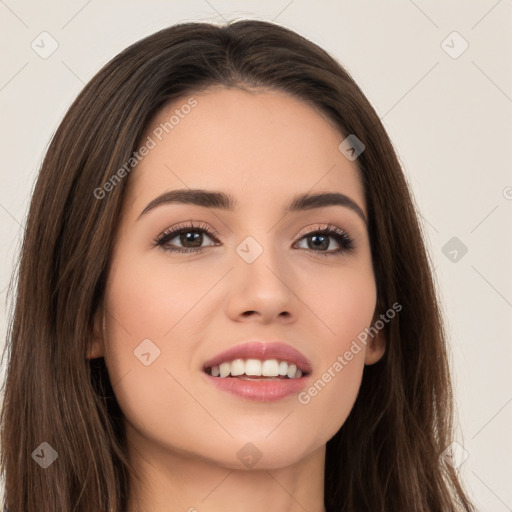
(237, 367)
(225, 369)
(292, 369)
(253, 367)
(270, 368)
(283, 368)
(256, 368)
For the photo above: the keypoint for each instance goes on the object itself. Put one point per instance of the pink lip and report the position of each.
(261, 351)
(261, 390)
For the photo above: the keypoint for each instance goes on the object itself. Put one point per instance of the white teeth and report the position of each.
(253, 367)
(225, 369)
(292, 369)
(237, 367)
(256, 368)
(283, 368)
(270, 368)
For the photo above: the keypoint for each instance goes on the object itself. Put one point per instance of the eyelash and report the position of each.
(346, 243)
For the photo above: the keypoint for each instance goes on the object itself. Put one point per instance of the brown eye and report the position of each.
(190, 238)
(319, 241)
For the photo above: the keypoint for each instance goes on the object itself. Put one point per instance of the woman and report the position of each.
(224, 299)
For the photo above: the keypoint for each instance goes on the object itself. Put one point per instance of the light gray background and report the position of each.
(449, 118)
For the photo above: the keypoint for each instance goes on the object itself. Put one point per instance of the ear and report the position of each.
(376, 346)
(96, 345)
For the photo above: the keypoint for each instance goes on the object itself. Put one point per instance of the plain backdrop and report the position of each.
(439, 76)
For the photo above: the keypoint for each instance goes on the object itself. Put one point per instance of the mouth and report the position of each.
(259, 371)
(255, 369)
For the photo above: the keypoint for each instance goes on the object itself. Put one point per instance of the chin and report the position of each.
(263, 451)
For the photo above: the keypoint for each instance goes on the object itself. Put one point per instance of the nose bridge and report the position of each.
(260, 276)
(259, 252)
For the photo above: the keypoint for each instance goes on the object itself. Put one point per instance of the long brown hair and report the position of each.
(386, 457)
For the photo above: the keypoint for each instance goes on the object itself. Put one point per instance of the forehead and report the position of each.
(258, 146)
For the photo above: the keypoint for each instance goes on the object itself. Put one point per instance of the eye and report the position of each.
(320, 241)
(191, 237)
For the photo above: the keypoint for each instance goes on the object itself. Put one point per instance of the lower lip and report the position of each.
(260, 390)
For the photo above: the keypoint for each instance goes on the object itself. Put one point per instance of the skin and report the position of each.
(183, 433)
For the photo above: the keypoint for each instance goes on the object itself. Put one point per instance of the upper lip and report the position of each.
(262, 350)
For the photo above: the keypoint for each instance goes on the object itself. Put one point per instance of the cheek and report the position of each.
(345, 308)
(148, 312)
(149, 298)
(331, 396)
(343, 301)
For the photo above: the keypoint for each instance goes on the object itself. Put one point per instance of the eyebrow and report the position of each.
(223, 201)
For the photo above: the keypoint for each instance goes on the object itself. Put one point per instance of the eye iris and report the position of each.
(324, 244)
(195, 238)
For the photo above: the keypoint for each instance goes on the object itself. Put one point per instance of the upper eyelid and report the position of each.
(212, 233)
(180, 227)
(318, 227)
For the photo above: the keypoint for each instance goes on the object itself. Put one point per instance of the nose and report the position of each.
(261, 288)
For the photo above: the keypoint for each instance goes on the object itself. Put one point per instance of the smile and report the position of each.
(248, 368)
(259, 371)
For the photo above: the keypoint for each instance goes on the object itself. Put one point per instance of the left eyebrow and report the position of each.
(221, 200)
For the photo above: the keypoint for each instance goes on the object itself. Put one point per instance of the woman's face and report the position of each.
(260, 274)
